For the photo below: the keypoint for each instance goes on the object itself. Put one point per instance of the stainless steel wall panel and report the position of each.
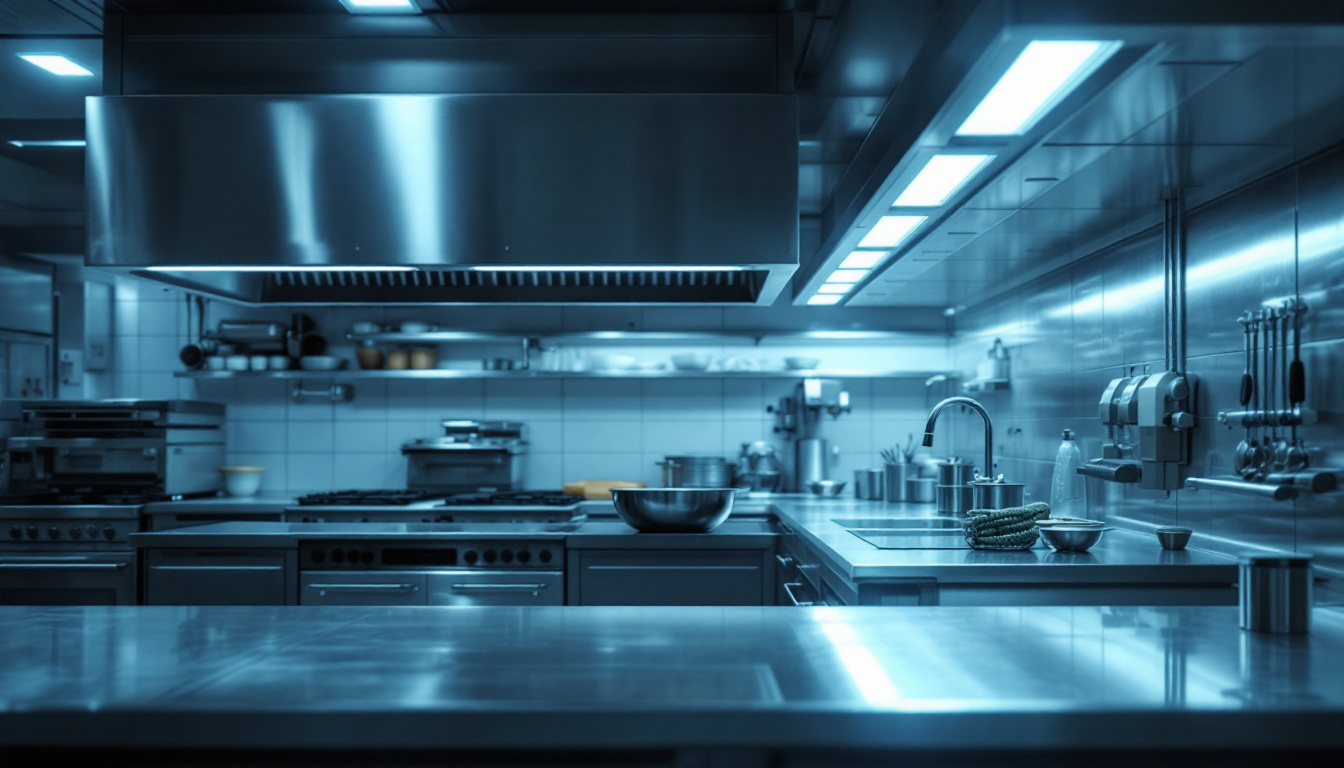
(1092, 347)
(1047, 323)
(1132, 305)
(1320, 226)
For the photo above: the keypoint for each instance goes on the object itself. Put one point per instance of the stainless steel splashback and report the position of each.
(332, 190)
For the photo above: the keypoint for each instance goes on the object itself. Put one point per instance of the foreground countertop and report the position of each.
(665, 678)
(1119, 555)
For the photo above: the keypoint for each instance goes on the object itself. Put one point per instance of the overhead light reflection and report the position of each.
(847, 275)
(941, 178)
(824, 300)
(890, 231)
(56, 64)
(862, 259)
(1041, 76)
(861, 665)
(47, 142)
(276, 268)
(607, 268)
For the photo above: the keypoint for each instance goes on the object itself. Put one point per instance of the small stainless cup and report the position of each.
(1276, 593)
(920, 489)
(869, 484)
(896, 479)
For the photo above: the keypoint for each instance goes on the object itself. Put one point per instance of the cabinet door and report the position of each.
(219, 577)
(668, 577)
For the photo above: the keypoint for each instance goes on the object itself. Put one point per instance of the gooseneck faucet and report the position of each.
(987, 470)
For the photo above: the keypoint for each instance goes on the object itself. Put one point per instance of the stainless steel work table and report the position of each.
(840, 680)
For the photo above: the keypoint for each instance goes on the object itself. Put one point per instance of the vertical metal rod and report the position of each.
(1178, 279)
(1168, 284)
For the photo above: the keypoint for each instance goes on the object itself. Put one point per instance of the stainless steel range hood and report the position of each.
(609, 199)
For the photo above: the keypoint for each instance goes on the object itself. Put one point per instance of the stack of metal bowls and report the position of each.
(953, 493)
(697, 472)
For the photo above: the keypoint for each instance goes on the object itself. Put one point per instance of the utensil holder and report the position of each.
(1275, 594)
(870, 484)
(897, 476)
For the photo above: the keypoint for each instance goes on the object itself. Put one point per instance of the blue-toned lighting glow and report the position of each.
(47, 142)
(863, 668)
(835, 288)
(862, 259)
(847, 275)
(381, 6)
(1044, 73)
(941, 178)
(56, 64)
(278, 268)
(889, 231)
(824, 299)
(607, 268)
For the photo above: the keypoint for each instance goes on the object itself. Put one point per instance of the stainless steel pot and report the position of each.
(998, 495)
(697, 472)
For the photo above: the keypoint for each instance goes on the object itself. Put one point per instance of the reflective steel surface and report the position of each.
(664, 677)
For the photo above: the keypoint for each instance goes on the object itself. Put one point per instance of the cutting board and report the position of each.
(598, 489)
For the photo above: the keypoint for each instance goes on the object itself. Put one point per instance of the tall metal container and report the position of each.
(1276, 593)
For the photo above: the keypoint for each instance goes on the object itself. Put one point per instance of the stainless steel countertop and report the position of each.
(553, 678)
(1119, 556)
(261, 504)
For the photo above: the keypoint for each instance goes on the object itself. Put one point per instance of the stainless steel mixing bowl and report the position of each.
(1173, 538)
(673, 510)
(1063, 538)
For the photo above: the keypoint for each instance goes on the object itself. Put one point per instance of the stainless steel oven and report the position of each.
(465, 569)
(68, 555)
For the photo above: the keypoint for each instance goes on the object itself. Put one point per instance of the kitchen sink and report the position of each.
(886, 524)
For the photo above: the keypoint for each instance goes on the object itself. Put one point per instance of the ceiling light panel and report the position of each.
(609, 268)
(862, 259)
(1042, 75)
(381, 6)
(847, 275)
(940, 179)
(59, 143)
(276, 268)
(56, 64)
(835, 288)
(890, 231)
(824, 300)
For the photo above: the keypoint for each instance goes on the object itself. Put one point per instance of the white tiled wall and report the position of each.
(579, 428)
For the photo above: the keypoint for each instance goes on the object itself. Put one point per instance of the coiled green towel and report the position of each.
(1011, 528)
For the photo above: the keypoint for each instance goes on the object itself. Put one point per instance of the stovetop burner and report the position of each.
(376, 498)
(513, 499)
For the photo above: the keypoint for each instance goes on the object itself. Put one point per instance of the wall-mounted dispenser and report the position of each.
(1159, 407)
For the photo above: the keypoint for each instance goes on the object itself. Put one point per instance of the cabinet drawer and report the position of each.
(667, 577)
(216, 577)
(382, 588)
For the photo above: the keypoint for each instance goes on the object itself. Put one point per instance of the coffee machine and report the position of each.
(799, 416)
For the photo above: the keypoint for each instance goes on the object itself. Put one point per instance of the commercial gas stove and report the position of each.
(401, 506)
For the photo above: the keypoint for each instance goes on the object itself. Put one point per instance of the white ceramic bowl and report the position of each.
(613, 362)
(414, 327)
(214, 363)
(258, 362)
(801, 363)
(691, 362)
(364, 326)
(242, 481)
(320, 363)
(278, 362)
(236, 362)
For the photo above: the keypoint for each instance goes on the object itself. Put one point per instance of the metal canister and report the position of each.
(920, 490)
(1276, 593)
(955, 472)
(989, 495)
(954, 499)
(869, 483)
(897, 475)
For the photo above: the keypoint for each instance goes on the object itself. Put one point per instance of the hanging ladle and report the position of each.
(1297, 388)
(1245, 450)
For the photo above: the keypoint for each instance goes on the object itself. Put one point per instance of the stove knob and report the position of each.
(367, 559)
(489, 556)
(109, 532)
(76, 532)
(91, 531)
(53, 533)
(469, 558)
(15, 532)
(32, 531)
(506, 556)
(524, 556)
(338, 556)
(545, 556)
(318, 555)
(352, 555)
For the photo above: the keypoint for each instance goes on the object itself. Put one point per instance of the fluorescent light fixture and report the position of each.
(824, 300)
(56, 64)
(607, 268)
(381, 6)
(1043, 74)
(862, 259)
(940, 178)
(47, 142)
(835, 288)
(889, 231)
(847, 275)
(276, 268)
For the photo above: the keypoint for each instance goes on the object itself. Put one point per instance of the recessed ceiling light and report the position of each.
(47, 142)
(835, 288)
(277, 268)
(940, 178)
(847, 275)
(56, 64)
(889, 231)
(862, 259)
(381, 6)
(824, 299)
(608, 268)
(1042, 75)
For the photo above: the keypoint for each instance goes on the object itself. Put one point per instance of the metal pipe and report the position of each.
(1178, 278)
(988, 469)
(1262, 490)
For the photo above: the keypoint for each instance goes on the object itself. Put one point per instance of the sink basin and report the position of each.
(896, 523)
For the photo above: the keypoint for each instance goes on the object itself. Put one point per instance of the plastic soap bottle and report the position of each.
(1068, 489)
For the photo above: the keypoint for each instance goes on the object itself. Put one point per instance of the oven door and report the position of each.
(465, 587)
(68, 579)
(369, 588)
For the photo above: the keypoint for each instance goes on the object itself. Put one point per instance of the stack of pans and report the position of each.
(954, 495)
(697, 472)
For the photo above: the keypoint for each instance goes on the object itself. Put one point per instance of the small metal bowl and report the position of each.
(1063, 538)
(673, 510)
(826, 488)
(1173, 538)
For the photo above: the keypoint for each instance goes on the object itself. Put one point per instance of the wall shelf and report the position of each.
(636, 337)
(357, 375)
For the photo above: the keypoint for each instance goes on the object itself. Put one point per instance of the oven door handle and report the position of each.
(489, 587)
(788, 590)
(62, 566)
(364, 587)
